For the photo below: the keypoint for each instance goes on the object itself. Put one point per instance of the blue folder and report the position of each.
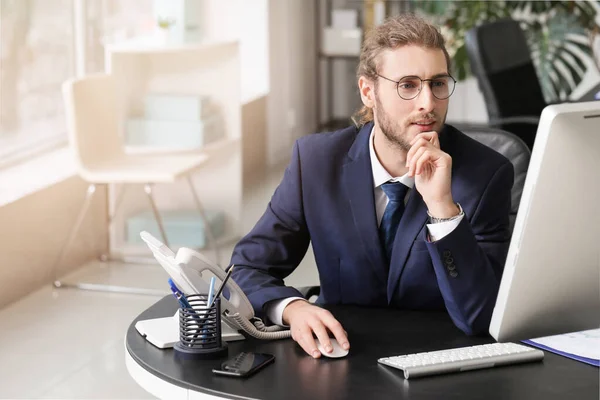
(590, 361)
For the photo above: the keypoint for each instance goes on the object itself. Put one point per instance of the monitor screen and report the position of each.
(551, 279)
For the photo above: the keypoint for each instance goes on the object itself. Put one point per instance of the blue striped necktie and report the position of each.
(396, 192)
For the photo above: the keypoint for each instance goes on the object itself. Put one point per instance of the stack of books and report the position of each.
(183, 227)
(174, 122)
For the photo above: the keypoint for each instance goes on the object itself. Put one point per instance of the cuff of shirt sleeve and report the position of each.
(274, 309)
(440, 230)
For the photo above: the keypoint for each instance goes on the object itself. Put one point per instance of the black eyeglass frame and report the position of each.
(420, 87)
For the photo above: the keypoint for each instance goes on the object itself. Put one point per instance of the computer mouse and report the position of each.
(337, 352)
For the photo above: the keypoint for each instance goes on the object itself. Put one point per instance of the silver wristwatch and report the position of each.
(434, 220)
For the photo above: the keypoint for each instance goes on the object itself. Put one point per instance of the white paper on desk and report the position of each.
(584, 344)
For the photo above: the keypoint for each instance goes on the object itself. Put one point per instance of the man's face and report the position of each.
(401, 120)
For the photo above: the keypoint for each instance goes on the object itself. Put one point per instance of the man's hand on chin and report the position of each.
(432, 170)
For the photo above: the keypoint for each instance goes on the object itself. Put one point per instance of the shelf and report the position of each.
(149, 46)
(143, 67)
(156, 150)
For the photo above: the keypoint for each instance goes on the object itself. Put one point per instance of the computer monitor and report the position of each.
(551, 279)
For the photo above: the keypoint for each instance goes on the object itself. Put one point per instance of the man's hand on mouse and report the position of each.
(305, 319)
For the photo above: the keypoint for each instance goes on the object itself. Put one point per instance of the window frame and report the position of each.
(27, 151)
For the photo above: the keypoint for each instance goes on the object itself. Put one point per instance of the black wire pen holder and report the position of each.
(200, 329)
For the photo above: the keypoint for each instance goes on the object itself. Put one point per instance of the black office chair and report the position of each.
(501, 61)
(511, 147)
(505, 143)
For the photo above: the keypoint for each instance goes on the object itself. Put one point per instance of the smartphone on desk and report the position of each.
(244, 364)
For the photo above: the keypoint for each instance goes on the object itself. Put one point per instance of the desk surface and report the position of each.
(295, 375)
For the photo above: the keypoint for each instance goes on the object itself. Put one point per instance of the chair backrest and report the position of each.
(511, 147)
(92, 121)
(501, 60)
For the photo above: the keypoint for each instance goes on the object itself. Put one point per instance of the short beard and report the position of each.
(387, 128)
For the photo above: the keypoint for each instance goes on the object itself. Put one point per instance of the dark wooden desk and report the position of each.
(373, 333)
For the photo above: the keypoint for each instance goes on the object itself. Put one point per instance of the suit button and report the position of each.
(449, 261)
(451, 267)
(453, 274)
(446, 253)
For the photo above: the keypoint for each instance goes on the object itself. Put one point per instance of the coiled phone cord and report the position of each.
(259, 330)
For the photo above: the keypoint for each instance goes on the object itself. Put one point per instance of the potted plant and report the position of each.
(164, 25)
(559, 33)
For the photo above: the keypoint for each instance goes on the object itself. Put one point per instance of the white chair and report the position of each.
(93, 129)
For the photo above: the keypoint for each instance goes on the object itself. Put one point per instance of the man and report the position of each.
(405, 211)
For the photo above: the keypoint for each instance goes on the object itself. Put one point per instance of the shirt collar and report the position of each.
(380, 174)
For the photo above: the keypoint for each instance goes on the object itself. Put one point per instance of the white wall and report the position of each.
(291, 102)
(248, 22)
(278, 58)
(33, 230)
(467, 104)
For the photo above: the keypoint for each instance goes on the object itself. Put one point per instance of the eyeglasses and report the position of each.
(409, 87)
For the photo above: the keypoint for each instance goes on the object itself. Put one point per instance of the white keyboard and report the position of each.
(462, 359)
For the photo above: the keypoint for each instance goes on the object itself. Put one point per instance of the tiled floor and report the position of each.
(69, 344)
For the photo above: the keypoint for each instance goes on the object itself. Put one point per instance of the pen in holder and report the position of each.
(200, 328)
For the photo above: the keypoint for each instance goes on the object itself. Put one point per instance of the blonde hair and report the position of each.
(397, 31)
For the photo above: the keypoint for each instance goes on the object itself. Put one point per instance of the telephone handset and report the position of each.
(186, 268)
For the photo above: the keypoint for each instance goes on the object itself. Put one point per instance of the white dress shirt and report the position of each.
(380, 176)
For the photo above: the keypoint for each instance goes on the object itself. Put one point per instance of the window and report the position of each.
(113, 21)
(36, 56)
(42, 43)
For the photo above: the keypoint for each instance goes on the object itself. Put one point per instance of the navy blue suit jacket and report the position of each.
(326, 197)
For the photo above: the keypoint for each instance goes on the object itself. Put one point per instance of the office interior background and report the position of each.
(254, 76)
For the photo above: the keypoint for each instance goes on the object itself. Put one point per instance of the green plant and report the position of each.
(165, 23)
(558, 33)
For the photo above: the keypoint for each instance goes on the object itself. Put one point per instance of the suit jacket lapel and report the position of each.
(357, 178)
